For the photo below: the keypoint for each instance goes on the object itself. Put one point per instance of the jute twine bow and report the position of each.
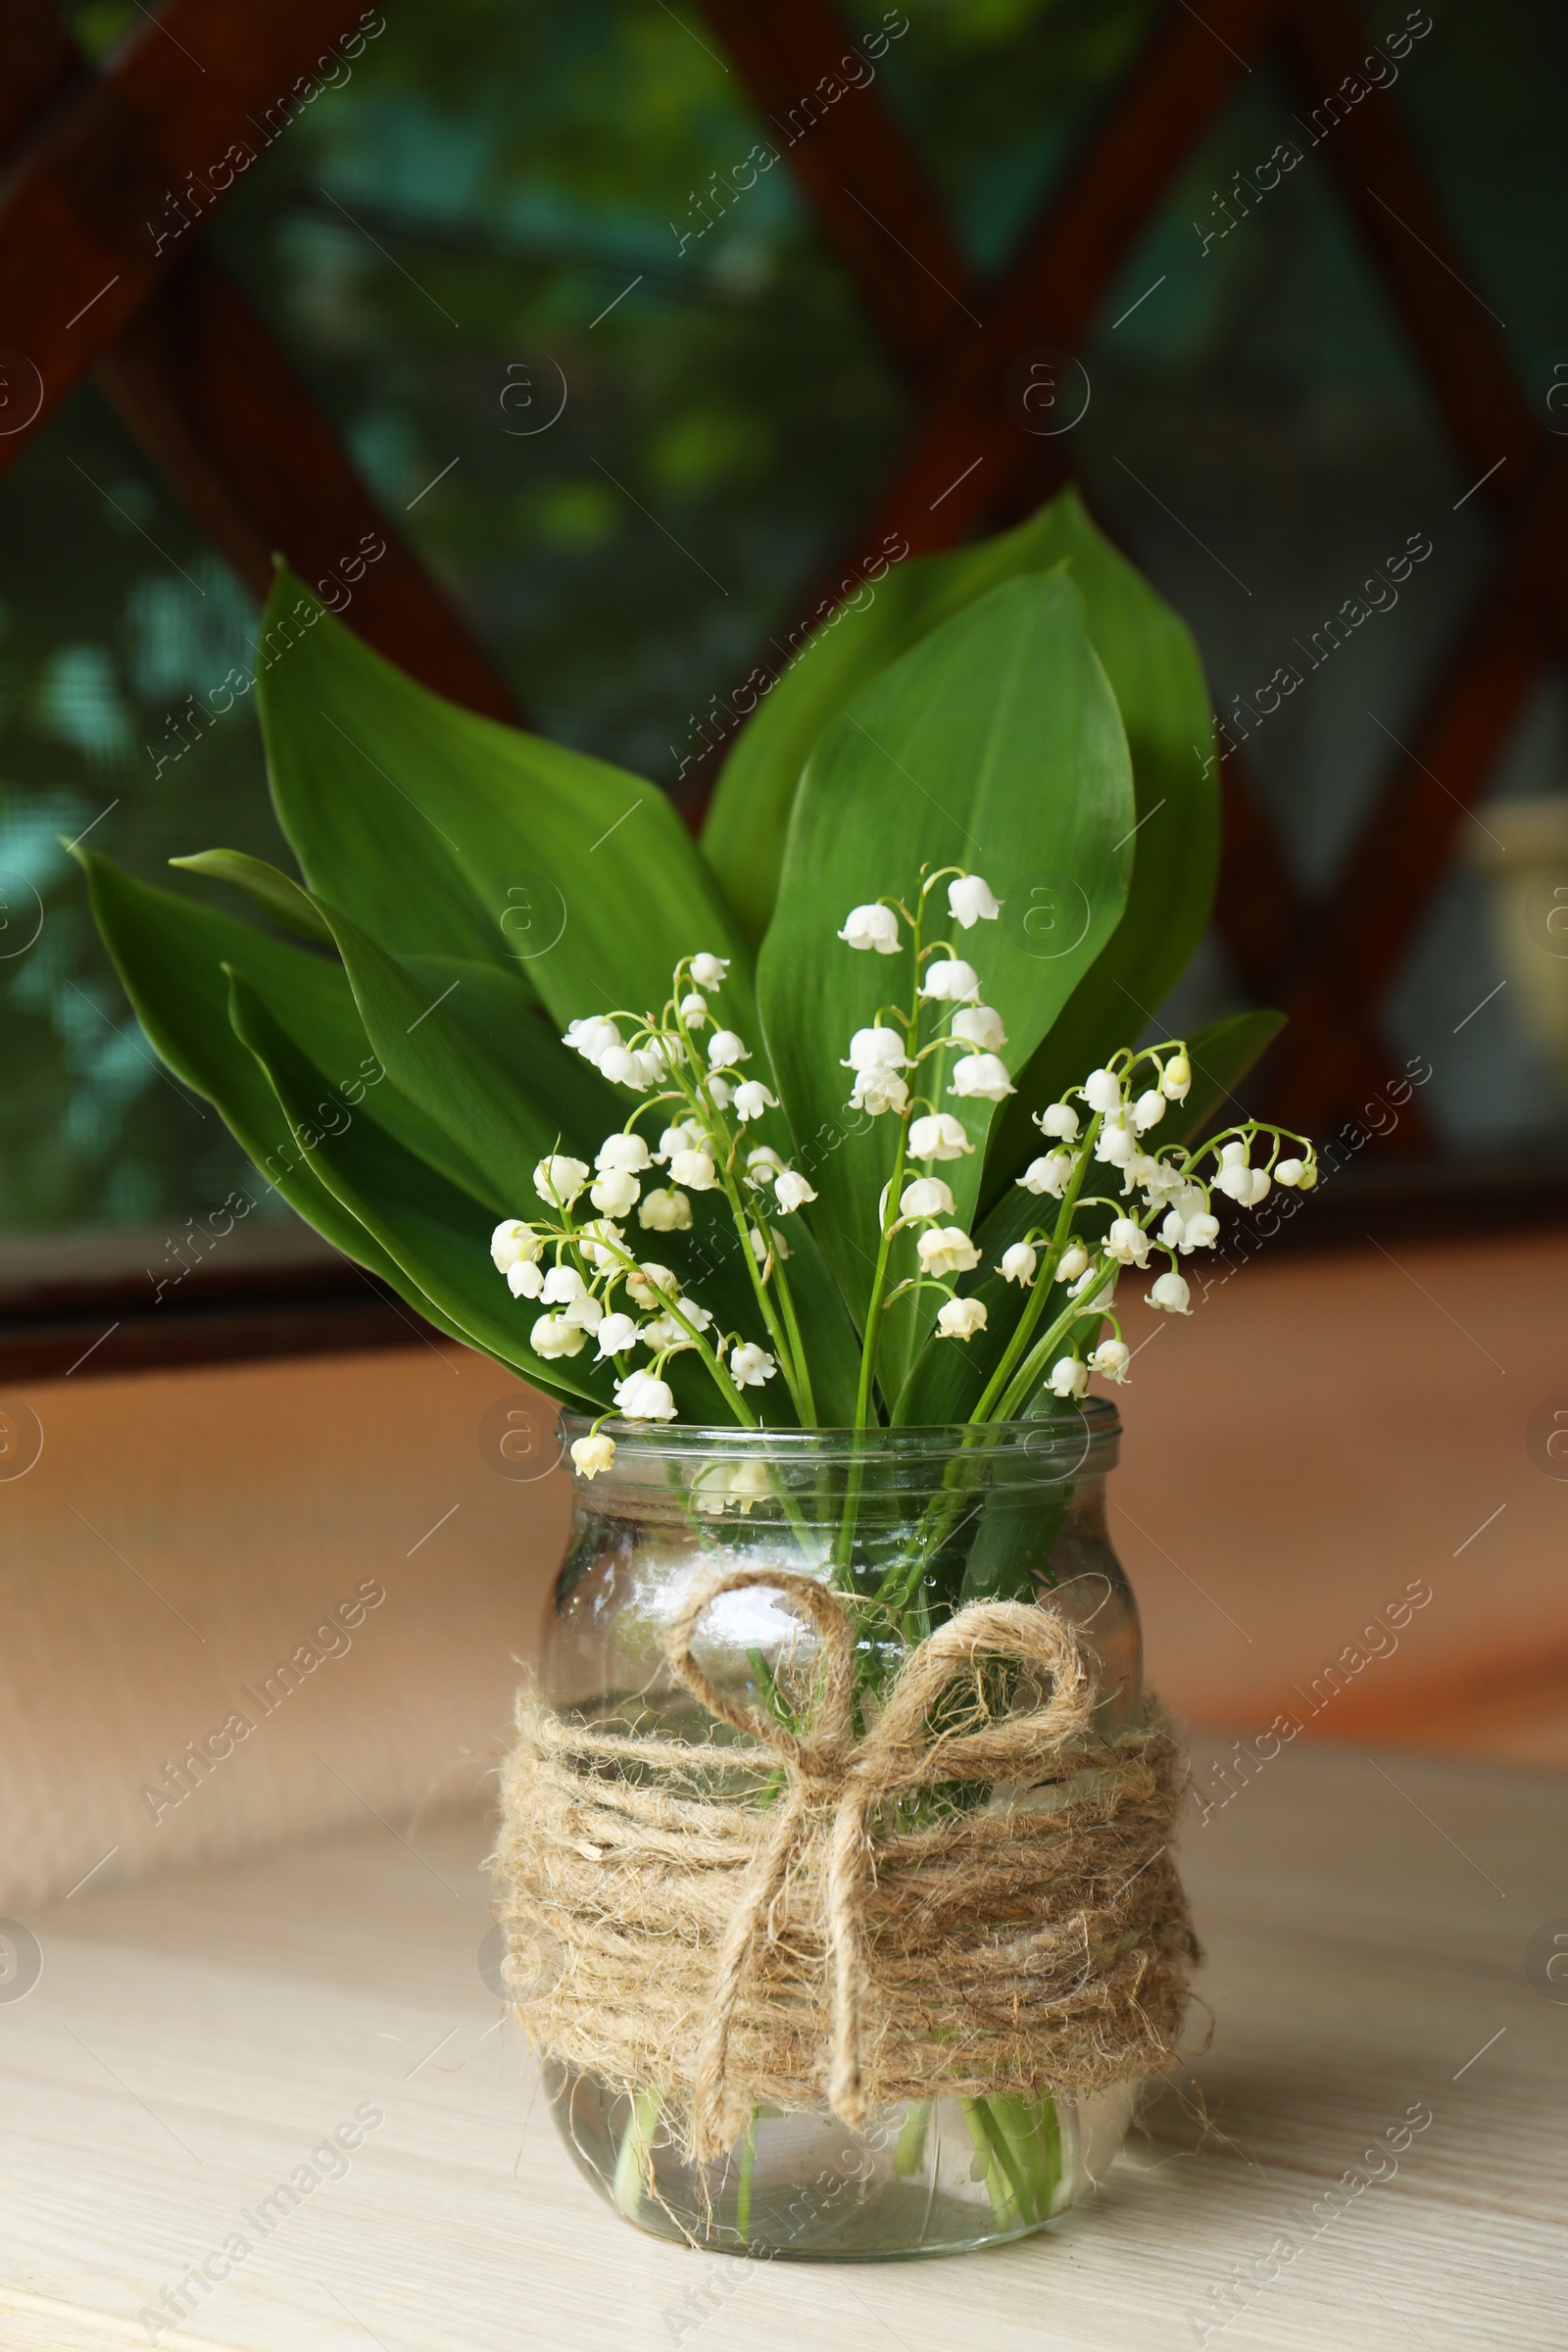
(712, 1948)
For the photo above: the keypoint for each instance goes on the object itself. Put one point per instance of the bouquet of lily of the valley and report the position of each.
(836, 1116)
(842, 1118)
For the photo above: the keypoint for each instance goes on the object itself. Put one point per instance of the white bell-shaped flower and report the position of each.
(720, 1092)
(791, 1192)
(1067, 1377)
(525, 1278)
(1110, 1360)
(684, 1135)
(693, 1009)
(590, 1454)
(1289, 1172)
(615, 1194)
(616, 1332)
(750, 1366)
(1127, 1243)
(762, 1165)
(561, 1285)
(664, 1211)
(511, 1242)
(1177, 1078)
(621, 1066)
(592, 1038)
(752, 1098)
(627, 1152)
(877, 1091)
(695, 1170)
(876, 1049)
(961, 1318)
(926, 1197)
(559, 1179)
(948, 980)
(670, 1333)
(1149, 1109)
(1058, 1120)
(600, 1242)
(872, 927)
(1235, 1175)
(945, 1250)
(1050, 1175)
(651, 1283)
(726, 1049)
(640, 1396)
(1160, 1178)
(1196, 1231)
(969, 902)
(1019, 1263)
(588, 1312)
(1102, 1091)
(1171, 1292)
(1118, 1140)
(1073, 1262)
(980, 1026)
(708, 971)
(938, 1136)
(982, 1077)
(555, 1336)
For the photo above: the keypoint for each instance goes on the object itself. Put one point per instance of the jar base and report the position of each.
(939, 2178)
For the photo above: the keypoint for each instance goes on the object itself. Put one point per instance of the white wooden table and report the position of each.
(191, 2040)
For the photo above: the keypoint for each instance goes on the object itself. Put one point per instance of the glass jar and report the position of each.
(937, 1517)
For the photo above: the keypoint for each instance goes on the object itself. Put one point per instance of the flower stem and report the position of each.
(743, 2193)
(996, 1388)
(634, 2161)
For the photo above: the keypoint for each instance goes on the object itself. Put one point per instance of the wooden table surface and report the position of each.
(1369, 1921)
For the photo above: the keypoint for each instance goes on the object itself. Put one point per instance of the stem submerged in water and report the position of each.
(634, 2163)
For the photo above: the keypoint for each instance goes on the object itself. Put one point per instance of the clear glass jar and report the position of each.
(942, 1516)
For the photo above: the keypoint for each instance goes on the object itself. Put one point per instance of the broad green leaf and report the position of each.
(311, 997)
(949, 1375)
(480, 1057)
(1159, 682)
(994, 745)
(277, 894)
(1146, 648)
(169, 952)
(443, 833)
(436, 1235)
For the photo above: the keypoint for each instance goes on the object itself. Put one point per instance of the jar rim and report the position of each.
(1091, 1429)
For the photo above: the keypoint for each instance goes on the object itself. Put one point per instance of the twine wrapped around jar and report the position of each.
(668, 1929)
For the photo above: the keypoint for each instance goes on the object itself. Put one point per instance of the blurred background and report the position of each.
(504, 206)
(627, 332)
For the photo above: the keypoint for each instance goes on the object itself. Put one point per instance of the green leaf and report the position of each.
(475, 1052)
(443, 833)
(436, 1235)
(277, 894)
(994, 745)
(1146, 651)
(949, 1375)
(748, 822)
(169, 952)
(1159, 682)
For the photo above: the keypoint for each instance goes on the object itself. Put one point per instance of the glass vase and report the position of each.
(939, 1516)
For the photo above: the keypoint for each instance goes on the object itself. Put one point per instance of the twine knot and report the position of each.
(901, 1752)
(712, 1947)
